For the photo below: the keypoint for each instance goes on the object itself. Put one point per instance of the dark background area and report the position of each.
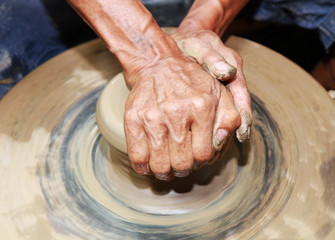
(300, 45)
(35, 31)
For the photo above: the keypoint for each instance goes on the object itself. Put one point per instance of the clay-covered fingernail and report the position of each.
(243, 132)
(142, 168)
(232, 71)
(163, 176)
(220, 138)
(182, 173)
(224, 70)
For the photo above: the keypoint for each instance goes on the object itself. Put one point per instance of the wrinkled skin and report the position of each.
(170, 117)
(178, 117)
(206, 48)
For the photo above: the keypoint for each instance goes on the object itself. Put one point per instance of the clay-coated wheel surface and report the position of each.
(60, 179)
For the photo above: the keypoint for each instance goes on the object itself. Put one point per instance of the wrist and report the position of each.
(128, 29)
(203, 15)
(213, 15)
(156, 46)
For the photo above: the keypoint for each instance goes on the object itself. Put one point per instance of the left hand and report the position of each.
(207, 49)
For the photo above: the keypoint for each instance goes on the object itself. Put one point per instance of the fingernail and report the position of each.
(219, 139)
(225, 70)
(142, 169)
(243, 132)
(232, 71)
(163, 177)
(182, 173)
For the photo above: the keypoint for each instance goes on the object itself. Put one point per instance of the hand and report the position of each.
(176, 113)
(171, 112)
(206, 48)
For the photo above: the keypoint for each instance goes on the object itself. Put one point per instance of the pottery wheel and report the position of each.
(61, 180)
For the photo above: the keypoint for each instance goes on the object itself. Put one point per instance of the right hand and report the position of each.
(177, 116)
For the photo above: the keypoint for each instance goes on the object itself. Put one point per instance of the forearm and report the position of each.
(128, 29)
(214, 15)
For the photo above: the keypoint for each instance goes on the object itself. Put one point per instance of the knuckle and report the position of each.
(172, 107)
(132, 124)
(152, 116)
(174, 110)
(203, 103)
(212, 35)
(232, 119)
(131, 116)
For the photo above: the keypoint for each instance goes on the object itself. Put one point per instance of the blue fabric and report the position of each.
(311, 14)
(27, 39)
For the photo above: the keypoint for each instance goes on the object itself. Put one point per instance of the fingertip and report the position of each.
(223, 150)
(243, 134)
(141, 168)
(220, 139)
(218, 67)
(244, 131)
(224, 70)
(232, 71)
(164, 176)
(182, 173)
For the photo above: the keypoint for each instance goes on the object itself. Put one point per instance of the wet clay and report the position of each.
(61, 180)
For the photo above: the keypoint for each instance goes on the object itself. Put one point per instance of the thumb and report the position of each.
(209, 58)
(215, 64)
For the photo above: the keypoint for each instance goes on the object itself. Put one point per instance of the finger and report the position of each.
(239, 89)
(217, 66)
(159, 156)
(227, 119)
(242, 100)
(224, 149)
(202, 125)
(181, 155)
(177, 121)
(212, 61)
(158, 144)
(137, 142)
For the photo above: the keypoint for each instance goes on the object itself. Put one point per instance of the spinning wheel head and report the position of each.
(61, 180)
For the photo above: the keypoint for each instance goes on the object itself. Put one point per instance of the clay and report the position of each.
(110, 111)
(61, 180)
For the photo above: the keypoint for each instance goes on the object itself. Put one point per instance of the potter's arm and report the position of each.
(198, 37)
(213, 15)
(176, 114)
(127, 28)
